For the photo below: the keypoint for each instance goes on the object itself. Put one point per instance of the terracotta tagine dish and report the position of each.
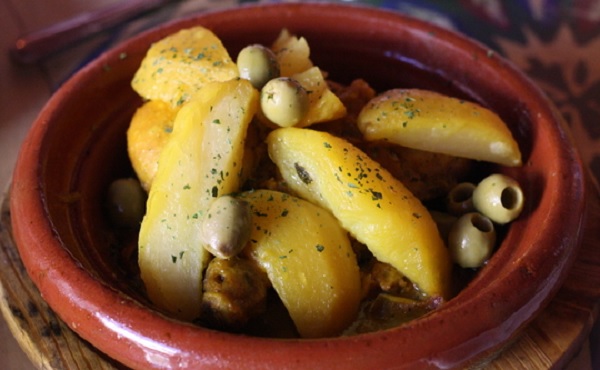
(391, 128)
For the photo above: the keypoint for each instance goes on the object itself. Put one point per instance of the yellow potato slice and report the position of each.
(371, 204)
(176, 67)
(309, 260)
(201, 160)
(292, 52)
(148, 132)
(324, 105)
(427, 120)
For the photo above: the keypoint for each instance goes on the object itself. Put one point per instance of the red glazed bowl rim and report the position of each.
(139, 337)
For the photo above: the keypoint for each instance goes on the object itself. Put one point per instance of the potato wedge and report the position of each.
(176, 67)
(201, 160)
(372, 205)
(292, 52)
(148, 132)
(309, 260)
(430, 121)
(324, 105)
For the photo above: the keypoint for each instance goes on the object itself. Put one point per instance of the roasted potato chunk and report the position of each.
(315, 273)
(377, 209)
(201, 160)
(179, 65)
(427, 120)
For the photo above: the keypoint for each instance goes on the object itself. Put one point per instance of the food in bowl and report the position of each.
(77, 147)
(264, 186)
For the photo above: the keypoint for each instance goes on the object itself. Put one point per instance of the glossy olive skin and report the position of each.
(258, 64)
(444, 222)
(126, 202)
(499, 197)
(226, 228)
(471, 240)
(460, 199)
(284, 101)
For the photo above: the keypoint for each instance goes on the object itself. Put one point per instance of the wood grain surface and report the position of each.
(555, 339)
(46, 340)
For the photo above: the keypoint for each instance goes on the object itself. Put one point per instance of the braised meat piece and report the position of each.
(427, 175)
(380, 277)
(235, 291)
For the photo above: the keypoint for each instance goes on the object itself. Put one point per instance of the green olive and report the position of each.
(126, 201)
(258, 64)
(471, 240)
(226, 227)
(444, 222)
(499, 197)
(284, 101)
(460, 199)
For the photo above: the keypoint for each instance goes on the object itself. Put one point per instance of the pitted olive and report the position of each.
(499, 197)
(472, 240)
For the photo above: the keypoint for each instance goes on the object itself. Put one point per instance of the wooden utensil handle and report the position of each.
(35, 46)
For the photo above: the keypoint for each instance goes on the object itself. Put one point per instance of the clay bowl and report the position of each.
(77, 146)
